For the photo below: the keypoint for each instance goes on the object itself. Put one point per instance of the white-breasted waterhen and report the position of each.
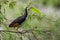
(17, 22)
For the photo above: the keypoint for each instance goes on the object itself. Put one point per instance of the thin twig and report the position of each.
(29, 37)
(34, 36)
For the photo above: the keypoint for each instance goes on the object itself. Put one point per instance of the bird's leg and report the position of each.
(17, 28)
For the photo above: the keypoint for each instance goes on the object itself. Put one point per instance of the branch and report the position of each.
(21, 32)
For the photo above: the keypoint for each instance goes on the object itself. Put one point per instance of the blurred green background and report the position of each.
(44, 18)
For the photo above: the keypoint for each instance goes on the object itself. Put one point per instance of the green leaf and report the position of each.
(12, 4)
(37, 11)
(5, 1)
(0, 6)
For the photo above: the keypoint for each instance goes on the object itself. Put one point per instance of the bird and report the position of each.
(18, 21)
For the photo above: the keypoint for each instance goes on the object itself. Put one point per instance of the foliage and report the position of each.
(45, 28)
(12, 4)
(2, 16)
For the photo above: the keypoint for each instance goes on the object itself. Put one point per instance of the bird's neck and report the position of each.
(26, 12)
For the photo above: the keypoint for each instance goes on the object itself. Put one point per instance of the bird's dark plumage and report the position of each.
(19, 20)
